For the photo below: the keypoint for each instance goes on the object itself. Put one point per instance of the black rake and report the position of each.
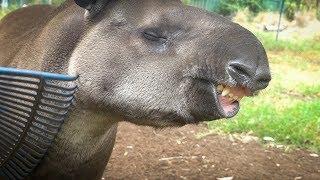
(33, 106)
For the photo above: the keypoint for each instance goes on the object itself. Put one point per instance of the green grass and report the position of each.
(269, 42)
(289, 109)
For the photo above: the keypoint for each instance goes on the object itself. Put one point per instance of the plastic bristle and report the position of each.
(17, 103)
(22, 154)
(21, 164)
(15, 91)
(20, 79)
(25, 161)
(51, 85)
(29, 99)
(48, 125)
(16, 106)
(34, 150)
(52, 131)
(19, 121)
(16, 167)
(11, 135)
(13, 171)
(7, 138)
(66, 100)
(58, 93)
(22, 86)
(46, 139)
(4, 109)
(60, 107)
(8, 174)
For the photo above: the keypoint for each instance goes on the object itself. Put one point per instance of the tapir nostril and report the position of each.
(240, 72)
(263, 81)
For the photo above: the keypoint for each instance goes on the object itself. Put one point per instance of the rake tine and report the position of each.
(17, 108)
(8, 138)
(15, 102)
(5, 110)
(40, 135)
(65, 100)
(21, 164)
(33, 150)
(56, 106)
(14, 78)
(44, 130)
(10, 95)
(17, 168)
(13, 171)
(68, 94)
(9, 123)
(6, 172)
(7, 129)
(48, 125)
(7, 84)
(13, 119)
(50, 85)
(23, 154)
(39, 116)
(53, 113)
(17, 91)
(24, 160)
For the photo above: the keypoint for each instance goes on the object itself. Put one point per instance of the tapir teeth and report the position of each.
(225, 92)
(220, 88)
(233, 94)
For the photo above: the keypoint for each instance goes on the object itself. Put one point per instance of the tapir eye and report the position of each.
(154, 36)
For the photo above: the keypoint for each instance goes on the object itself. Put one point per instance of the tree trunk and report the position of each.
(318, 9)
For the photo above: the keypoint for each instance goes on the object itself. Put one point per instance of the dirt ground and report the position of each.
(176, 153)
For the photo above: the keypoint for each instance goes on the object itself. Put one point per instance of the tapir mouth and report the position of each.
(228, 99)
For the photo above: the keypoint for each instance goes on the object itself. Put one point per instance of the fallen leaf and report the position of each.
(314, 155)
(266, 138)
(225, 178)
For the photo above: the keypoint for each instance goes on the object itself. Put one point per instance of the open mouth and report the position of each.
(229, 98)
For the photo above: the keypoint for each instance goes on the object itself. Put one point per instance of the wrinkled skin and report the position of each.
(150, 62)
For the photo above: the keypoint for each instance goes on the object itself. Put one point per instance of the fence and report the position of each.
(217, 5)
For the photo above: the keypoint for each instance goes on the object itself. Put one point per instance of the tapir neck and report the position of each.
(82, 148)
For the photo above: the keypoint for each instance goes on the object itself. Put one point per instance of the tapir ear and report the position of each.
(93, 7)
(86, 4)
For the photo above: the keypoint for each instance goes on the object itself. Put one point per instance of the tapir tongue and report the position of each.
(229, 107)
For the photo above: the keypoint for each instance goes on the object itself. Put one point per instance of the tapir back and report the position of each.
(19, 28)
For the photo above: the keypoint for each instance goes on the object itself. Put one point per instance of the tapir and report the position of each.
(156, 63)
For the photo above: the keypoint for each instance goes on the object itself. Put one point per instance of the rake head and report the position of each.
(33, 106)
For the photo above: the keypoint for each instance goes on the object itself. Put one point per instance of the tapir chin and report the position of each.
(154, 63)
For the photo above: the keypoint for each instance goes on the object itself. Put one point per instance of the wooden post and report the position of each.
(280, 16)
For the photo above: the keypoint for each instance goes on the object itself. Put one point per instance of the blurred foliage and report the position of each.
(318, 9)
(290, 11)
(229, 7)
(223, 7)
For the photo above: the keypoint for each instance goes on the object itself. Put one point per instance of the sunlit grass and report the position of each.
(296, 45)
(289, 109)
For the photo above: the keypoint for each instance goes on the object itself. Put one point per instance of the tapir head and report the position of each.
(162, 63)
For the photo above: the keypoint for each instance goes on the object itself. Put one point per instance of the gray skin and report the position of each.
(150, 62)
